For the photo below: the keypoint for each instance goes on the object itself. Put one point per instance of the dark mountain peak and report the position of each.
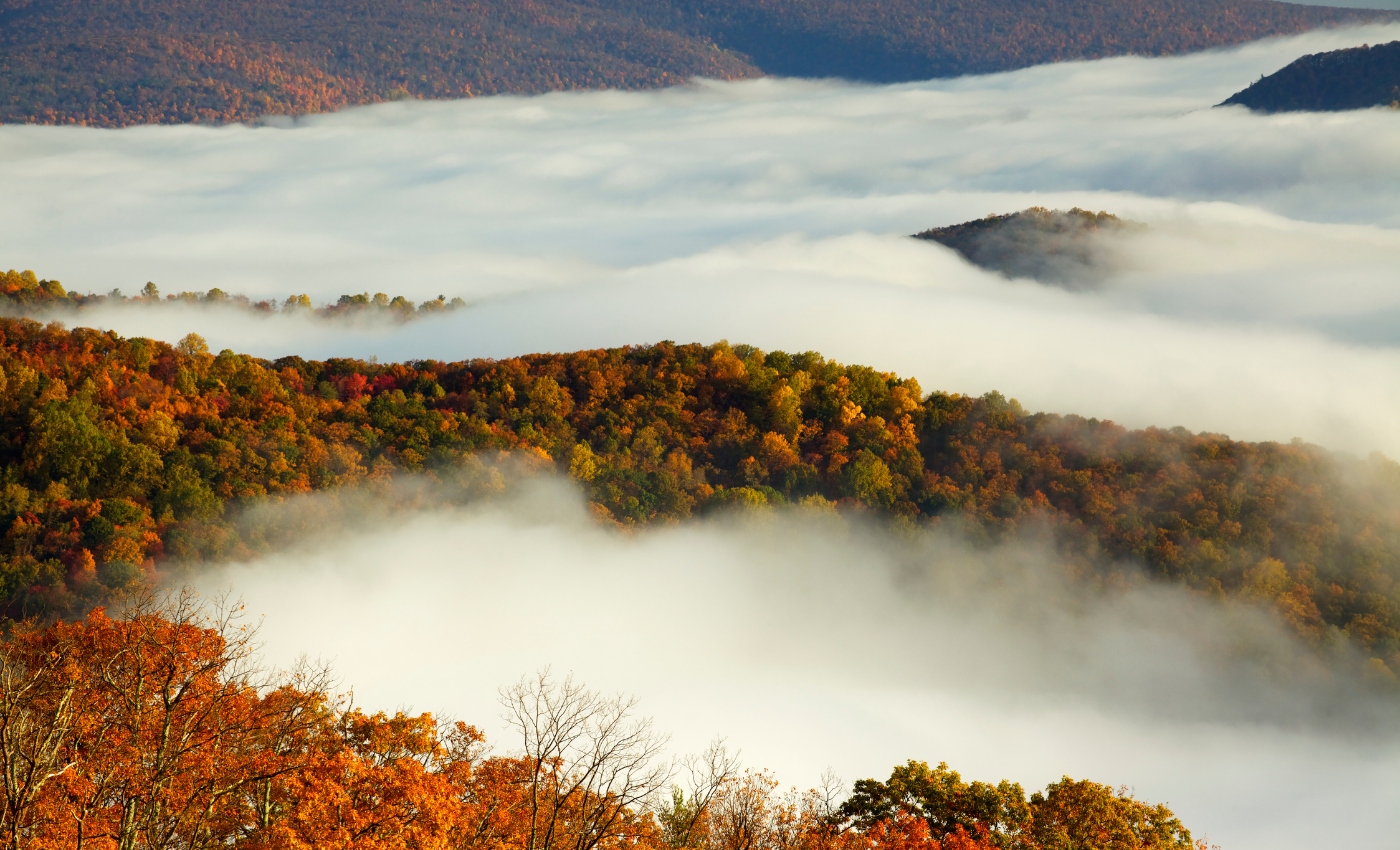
(1051, 246)
(1352, 78)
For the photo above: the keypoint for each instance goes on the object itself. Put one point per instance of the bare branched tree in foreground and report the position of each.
(594, 762)
(684, 816)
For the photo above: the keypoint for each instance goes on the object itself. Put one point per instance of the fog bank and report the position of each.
(811, 642)
(1260, 304)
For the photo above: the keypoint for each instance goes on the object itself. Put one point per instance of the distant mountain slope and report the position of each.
(899, 40)
(119, 62)
(1355, 78)
(1051, 246)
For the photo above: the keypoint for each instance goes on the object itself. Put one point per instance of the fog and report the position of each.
(810, 643)
(1260, 304)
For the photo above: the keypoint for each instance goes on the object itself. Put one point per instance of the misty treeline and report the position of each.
(108, 63)
(1351, 78)
(121, 459)
(157, 728)
(1052, 246)
(23, 293)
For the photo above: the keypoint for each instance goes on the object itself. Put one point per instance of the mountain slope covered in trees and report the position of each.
(120, 457)
(1355, 78)
(120, 62)
(1052, 246)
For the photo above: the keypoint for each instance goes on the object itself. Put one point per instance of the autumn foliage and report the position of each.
(117, 63)
(123, 458)
(156, 729)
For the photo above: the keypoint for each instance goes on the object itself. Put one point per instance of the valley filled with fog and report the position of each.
(1261, 301)
(812, 643)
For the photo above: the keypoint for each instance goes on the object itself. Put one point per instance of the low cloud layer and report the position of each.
(773, 212)
(813, 644)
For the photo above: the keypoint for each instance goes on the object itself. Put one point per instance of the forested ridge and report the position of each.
(1353, 78)
(120, 458)
(24, 293)
(156, 728)
(119, 62)
(1052, 246)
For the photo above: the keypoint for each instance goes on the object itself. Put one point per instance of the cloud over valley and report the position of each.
(812, 644)
(773, 212)
(1259, 301)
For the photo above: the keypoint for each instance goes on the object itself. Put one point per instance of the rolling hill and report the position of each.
(128, 457)
(119, 62)
(1051, 246)
(1355, 78)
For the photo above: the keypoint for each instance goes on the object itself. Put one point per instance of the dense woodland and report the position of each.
(1052, 246)
(23, 293)
(155, 729)
(117, 62)
(122, 458)
(1354, 78)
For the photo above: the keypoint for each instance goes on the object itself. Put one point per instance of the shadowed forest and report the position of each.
(121, 459)
(115, 63)
(1354, 78)
(1051, 246)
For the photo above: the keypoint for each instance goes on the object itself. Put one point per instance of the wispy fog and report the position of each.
(1261, 304)
(812, 643)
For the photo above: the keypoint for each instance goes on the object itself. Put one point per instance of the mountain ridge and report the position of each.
(121, 457)
(115, 63)
(1334, 81)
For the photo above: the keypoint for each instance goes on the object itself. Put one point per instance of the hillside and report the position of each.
(1051, 246)
(120, 457)
(1355, 78)
(120, 62)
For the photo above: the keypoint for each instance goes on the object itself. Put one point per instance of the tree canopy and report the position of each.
(120, 458)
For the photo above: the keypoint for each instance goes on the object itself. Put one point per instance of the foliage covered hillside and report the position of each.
(118, 455)
(899, 40)
(23, 293)
(1355, 78)
(120, 62)
(1049, 245)
(156, 729)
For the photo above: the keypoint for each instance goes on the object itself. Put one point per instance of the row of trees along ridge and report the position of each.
(120, 457)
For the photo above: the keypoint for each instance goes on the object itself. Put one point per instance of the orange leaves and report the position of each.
(904, 831)
(369, 783)
(155, 729)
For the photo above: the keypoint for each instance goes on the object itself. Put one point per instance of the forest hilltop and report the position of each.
(125, 461)
(1052, 246)
(1354, 78)
(114, 63)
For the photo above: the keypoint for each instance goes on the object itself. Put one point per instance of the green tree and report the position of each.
(943, 800)
(1085, 815)
(868, 479)
(66, 444)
